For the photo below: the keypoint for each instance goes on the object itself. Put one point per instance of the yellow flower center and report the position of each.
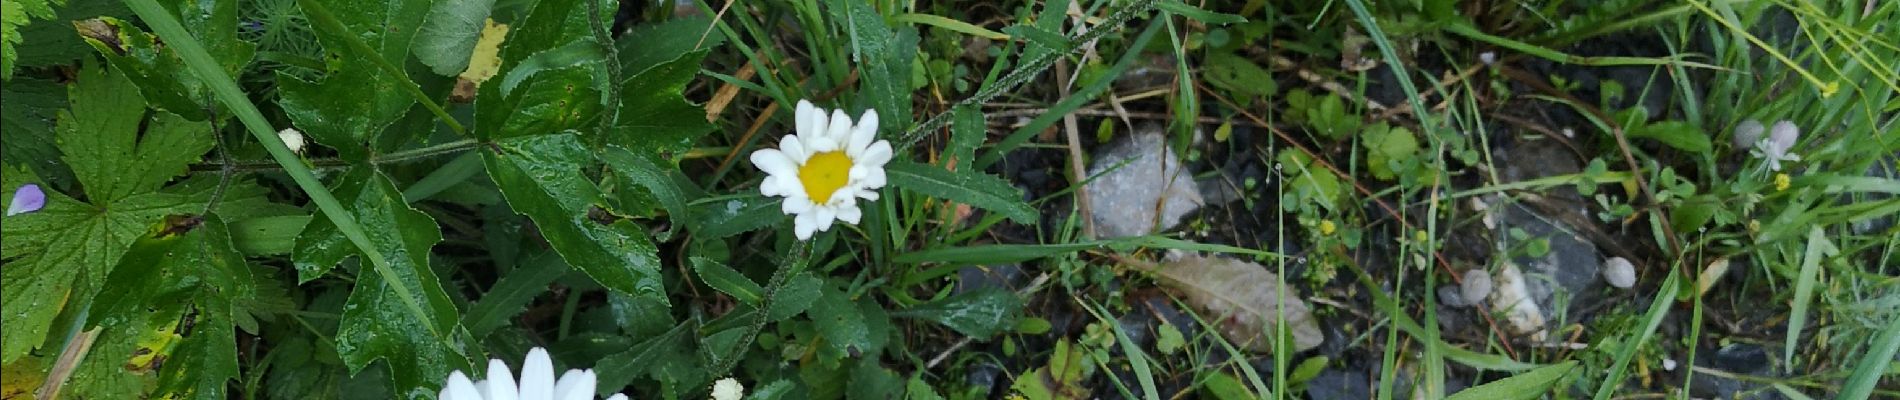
(823, 174)
(1782, 181)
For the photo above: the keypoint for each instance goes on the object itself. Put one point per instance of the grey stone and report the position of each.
(1619, 273)
(1140, 187)
(1477, 285)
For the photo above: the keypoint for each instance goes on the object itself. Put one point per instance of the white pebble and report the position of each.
(1619, 273)
(1477, 285)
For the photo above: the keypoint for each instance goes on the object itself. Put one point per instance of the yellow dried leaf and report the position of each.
(486, 60)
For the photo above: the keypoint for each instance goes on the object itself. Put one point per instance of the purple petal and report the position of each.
(28, 198)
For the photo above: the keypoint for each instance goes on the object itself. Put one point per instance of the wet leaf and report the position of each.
(978, 189)
(980, 314)
(654, 115)
(355, 99)
(449, 34)
(1244, 297)
(728, 281)
(541, 178)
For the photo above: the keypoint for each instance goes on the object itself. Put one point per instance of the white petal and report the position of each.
(825, 216)
(873, 180)
(618, 396)
(459, 387)
(804, 225)
(537, 375)
(811, 119)
(576, 384)
(850, 215)
(868, 195)
(875, 156)
(820, 143)
(840, 129)
(501, 382)
(770, 187)
(774, 162)
(795, 206)
(794, 148)
(862, 134)
(858, 172)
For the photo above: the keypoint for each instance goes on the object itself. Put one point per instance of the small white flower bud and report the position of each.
(292, 139)
(1747, 133)
(727, 389)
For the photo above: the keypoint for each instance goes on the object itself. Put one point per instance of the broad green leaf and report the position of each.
(541, 178)
(723, 218)
(584, 52)
(1387, 147)
(1528, 385)
(1237, 74)
(887, 58)
(200, 271)
(1678, 134)
(53, 40)
(156, 69)
(797, 296)
(26, 126)
(728, 281)
(980, 314)
(101, 140)
(513, 292)
(667, 184)
(551, 101)
(376, 322)
(850, 328)
(449, 33)
(984, 191)
(666, 41)
(268, 236)
(654, 115)
(355, 100)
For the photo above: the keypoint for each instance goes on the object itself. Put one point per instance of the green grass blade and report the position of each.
(1872, 365)
(1818, 247)
(1658, 307)
(1528, 385)
(227, 91)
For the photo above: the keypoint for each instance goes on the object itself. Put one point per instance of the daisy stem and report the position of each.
(795, 263)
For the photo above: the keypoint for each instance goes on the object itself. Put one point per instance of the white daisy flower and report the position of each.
(1775, 147)
(537, 382)
(824, 169)
(727, 389)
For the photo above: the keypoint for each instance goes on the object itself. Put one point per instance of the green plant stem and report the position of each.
(322, 17)
(799, 259)
(226, 90)
(328, 163)
(1028, 71)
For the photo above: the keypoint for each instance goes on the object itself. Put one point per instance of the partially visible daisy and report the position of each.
(28, 198)
(1774, 148)
(537, 382)
(824, 169)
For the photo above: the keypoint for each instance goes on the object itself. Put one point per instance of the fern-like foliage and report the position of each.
(13, 15)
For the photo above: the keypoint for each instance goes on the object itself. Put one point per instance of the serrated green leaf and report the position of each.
(201, 269)
(1678, 134)
(850, 328)
(584, 52)
(667, 41)
(102, 143)
(729, 281)
(667, 184)
(796, 297)
(980, 314)
(984, 191)
(268, 236)
(654, 115)
(449, 33)
(1528, 385)
(967, 132)
(13, 15)
(356, 99)
(26, 126)
(376, 322)
(1386, 146)
(541, 178)
(552, 101)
